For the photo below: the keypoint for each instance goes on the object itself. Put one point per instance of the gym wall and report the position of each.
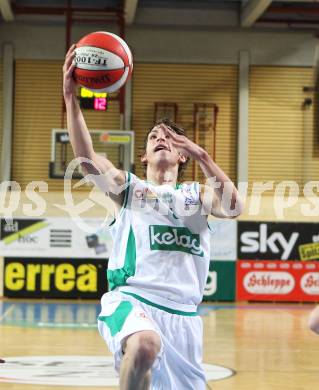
(282, 141)
(170, 45)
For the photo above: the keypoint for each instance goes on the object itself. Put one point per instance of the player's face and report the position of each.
(159, 147)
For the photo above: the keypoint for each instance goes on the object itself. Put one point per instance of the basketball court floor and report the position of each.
(56, 346)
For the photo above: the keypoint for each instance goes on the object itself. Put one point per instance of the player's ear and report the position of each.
(181, 159)
(144, 158)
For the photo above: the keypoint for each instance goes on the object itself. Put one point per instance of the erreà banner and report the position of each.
(54, 278)
(277, 281)
(278, 241)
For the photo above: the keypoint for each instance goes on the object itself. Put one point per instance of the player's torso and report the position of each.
(161, 243)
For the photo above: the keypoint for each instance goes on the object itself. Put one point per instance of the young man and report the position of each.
(159, 264)
(314, 320)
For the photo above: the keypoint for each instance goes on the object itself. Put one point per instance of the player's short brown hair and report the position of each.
(178, 130)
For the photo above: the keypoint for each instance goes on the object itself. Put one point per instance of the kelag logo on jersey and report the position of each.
(181, 239)
(278, 241)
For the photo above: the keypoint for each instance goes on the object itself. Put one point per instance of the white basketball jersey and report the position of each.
(161, 247)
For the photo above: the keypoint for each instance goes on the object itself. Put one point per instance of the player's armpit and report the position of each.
(101, 172)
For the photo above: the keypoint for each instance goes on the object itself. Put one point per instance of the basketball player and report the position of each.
(161, 252)
(314, 320)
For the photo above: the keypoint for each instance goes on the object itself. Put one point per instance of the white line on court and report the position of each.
(9, 310)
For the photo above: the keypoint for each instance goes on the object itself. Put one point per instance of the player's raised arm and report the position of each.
(103, 172)
(220, 196)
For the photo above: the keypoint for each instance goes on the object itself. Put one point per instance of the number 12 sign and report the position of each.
(100, 103)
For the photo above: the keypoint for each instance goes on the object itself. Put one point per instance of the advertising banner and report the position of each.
(54, 237)
(26, 277)
(221, 281)
(223, 240)
(277, 281)
(62, 237)
(278, 241)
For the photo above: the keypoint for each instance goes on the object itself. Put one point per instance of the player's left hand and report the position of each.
(185, 146)
(69, 85)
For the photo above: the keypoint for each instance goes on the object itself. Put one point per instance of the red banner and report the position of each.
(264, 280)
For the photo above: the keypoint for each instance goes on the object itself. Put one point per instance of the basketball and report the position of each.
(103, 62)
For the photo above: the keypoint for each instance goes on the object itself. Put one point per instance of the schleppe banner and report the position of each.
(277, 281)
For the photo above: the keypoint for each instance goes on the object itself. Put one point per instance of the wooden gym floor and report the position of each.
(267, 345)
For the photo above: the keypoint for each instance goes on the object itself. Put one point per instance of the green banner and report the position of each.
(221, 281)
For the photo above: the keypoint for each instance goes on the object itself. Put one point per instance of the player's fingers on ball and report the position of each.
(73, 62)
(71, 69)
(65, 65)
(69, 57)
(69, 61)
(71, 48)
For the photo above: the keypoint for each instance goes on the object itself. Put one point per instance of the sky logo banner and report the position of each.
(278, 241)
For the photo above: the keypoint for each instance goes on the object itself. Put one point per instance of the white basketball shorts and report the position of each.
(179, 364)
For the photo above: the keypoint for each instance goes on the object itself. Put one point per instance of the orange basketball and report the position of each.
(103, 62)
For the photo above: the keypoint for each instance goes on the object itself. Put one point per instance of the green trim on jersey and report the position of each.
(168, 309)
(113, 222)
(127, 190)
(126, 193)
(116, 320)
(118, 277)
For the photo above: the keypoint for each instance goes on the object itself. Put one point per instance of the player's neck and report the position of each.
(160, 177)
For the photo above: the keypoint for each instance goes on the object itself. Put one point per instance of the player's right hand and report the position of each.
(69, 85)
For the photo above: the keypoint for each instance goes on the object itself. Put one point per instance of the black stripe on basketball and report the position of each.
(98, 47)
